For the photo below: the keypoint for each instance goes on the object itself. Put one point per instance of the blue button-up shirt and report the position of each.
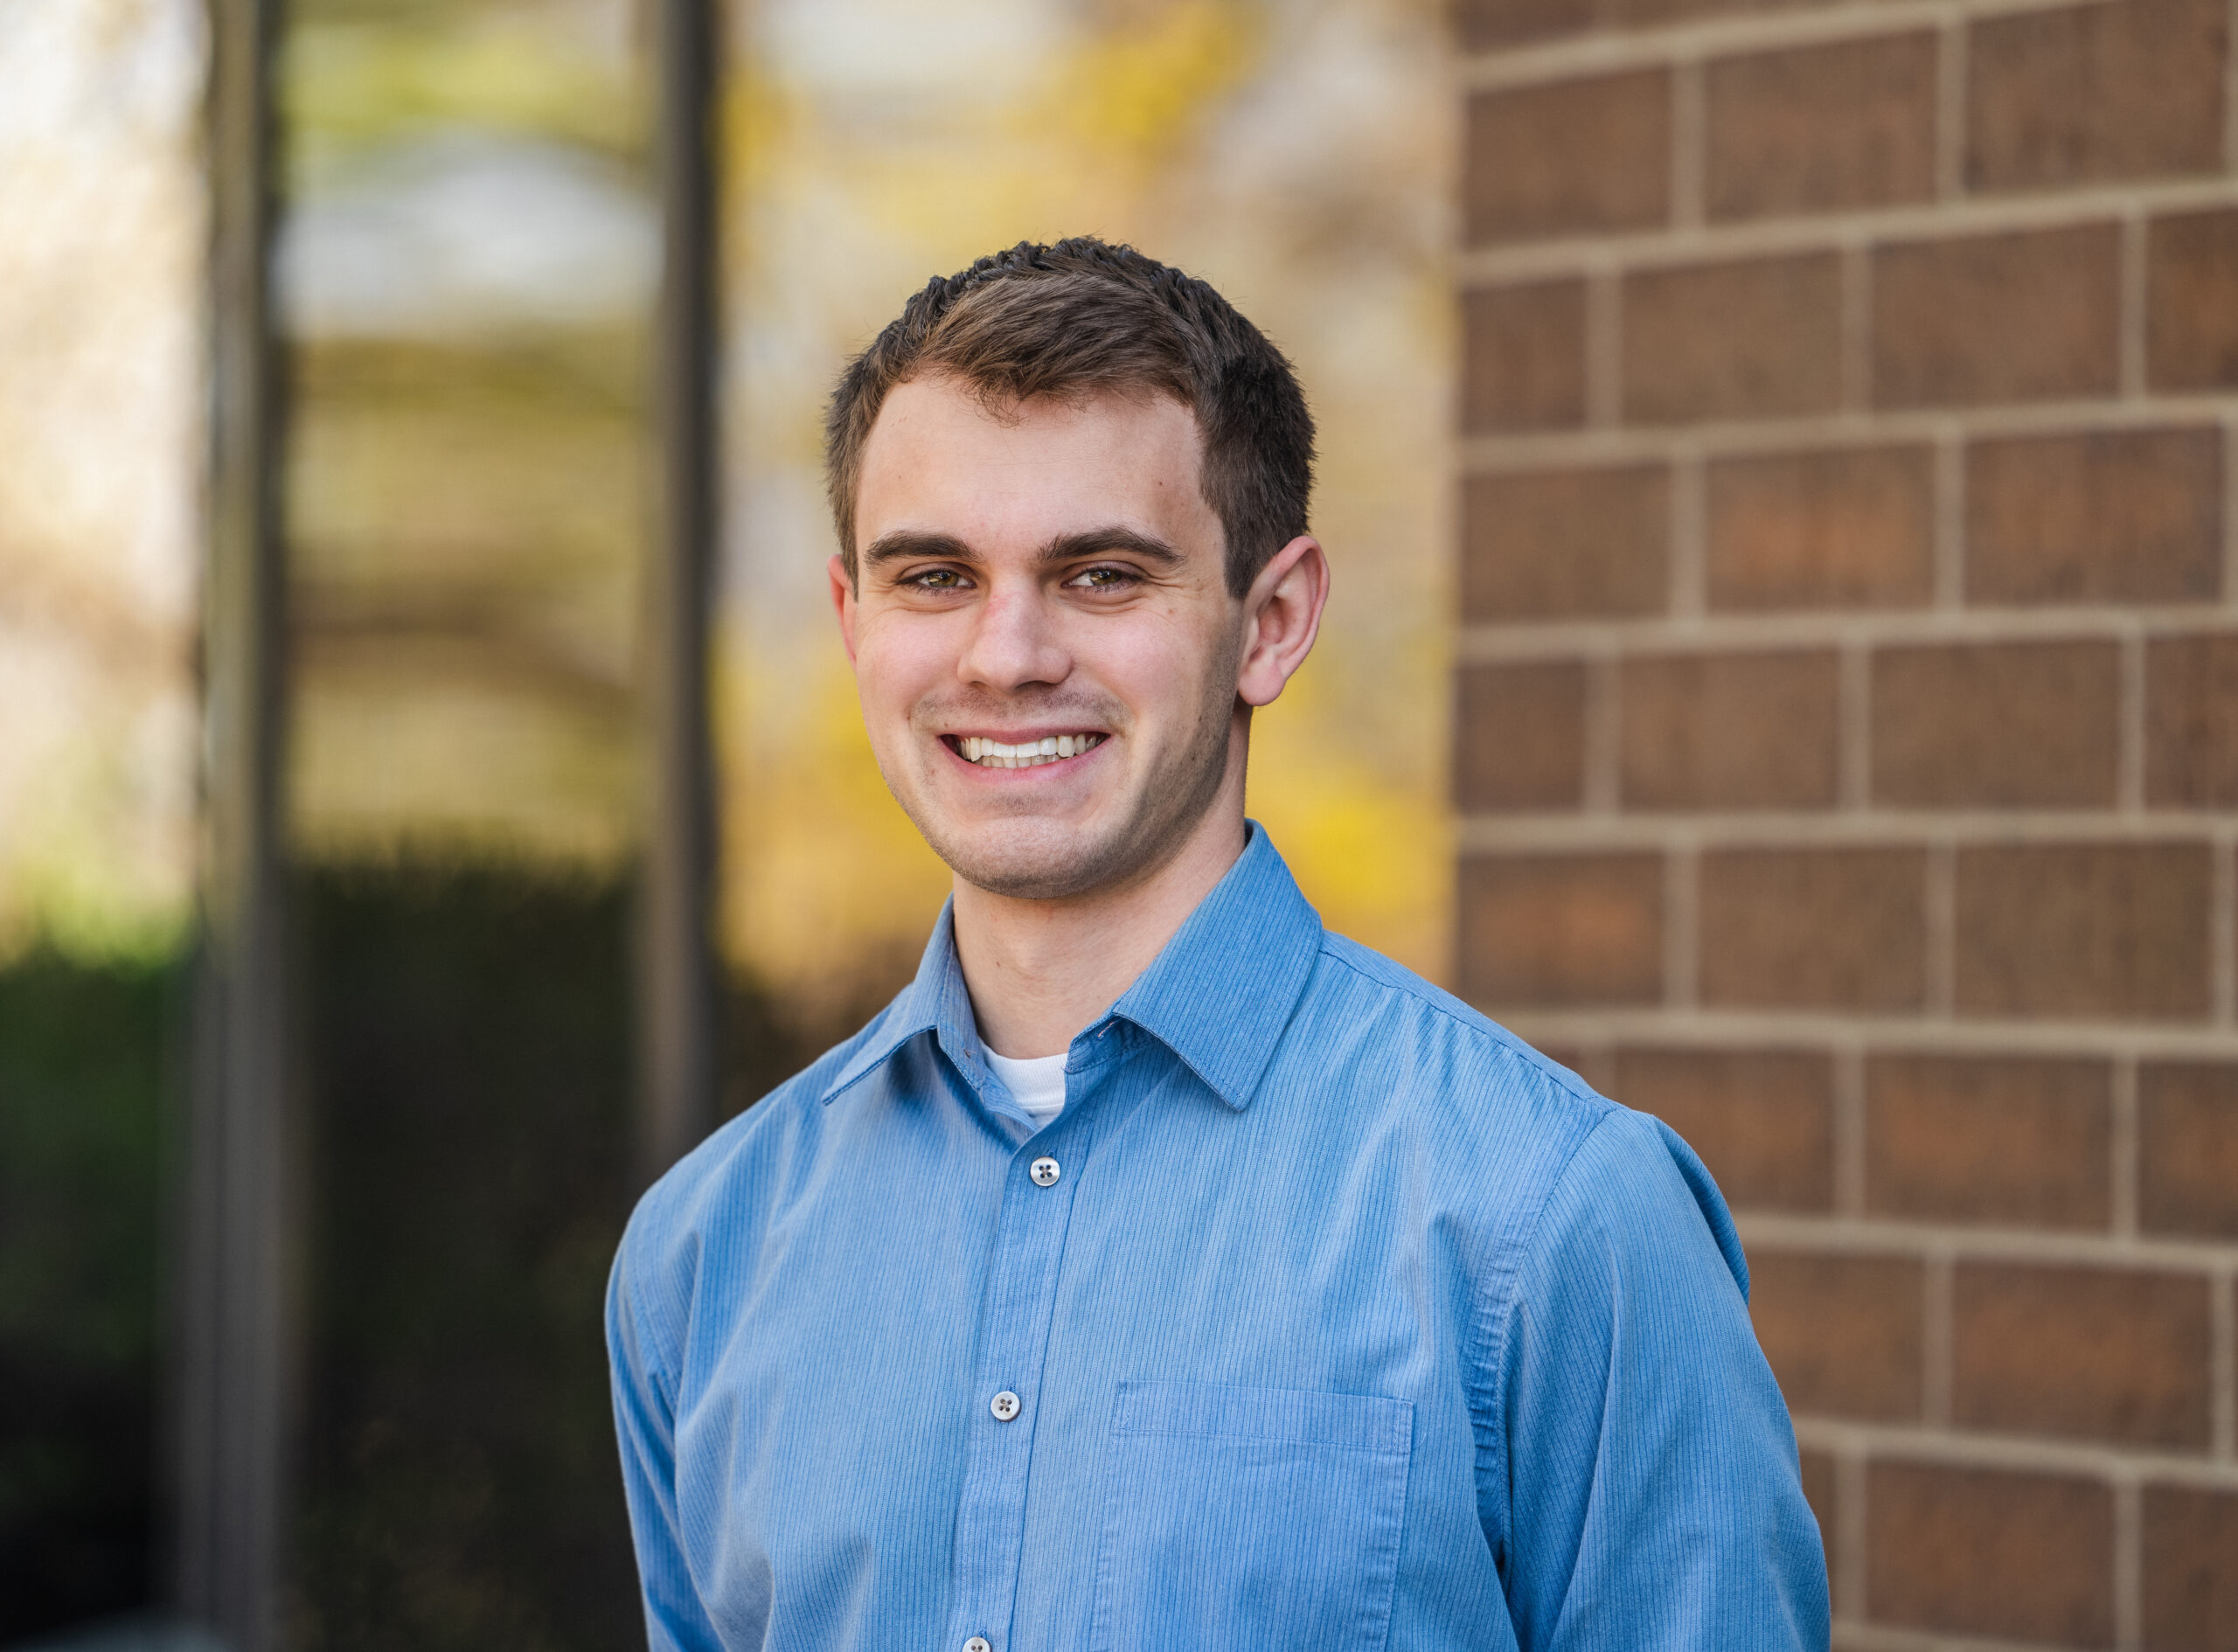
(1347, 1322)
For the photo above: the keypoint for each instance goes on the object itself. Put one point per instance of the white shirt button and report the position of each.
(1004, 1406)
(1045, 1172)
(977, 1643)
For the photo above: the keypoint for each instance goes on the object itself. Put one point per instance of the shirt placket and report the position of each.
(1015, 1314)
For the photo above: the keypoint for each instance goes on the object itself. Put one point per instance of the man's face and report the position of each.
(1044, 642)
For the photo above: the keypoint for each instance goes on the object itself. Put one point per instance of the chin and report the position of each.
(1034, 859)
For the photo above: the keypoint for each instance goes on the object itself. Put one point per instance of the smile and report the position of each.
(1050, 748)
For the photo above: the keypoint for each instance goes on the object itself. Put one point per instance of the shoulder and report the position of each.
(1557, 1157)
(714, 1196)
(1428, 1047)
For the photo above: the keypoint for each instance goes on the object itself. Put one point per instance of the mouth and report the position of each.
(1028, 754)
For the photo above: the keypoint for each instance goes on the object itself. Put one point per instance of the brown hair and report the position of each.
(1079, 317)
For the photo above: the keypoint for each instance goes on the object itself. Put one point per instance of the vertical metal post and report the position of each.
(675, 974)
(230, 1352)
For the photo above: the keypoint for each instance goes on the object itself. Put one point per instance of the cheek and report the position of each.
(897, 665)
(1158, 663)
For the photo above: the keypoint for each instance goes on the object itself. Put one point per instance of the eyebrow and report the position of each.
(904, 544)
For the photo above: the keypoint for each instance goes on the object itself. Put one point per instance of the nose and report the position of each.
(1014, 642)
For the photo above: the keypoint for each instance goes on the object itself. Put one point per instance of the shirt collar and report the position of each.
(1219, 994)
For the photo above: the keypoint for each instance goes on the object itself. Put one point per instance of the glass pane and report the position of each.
(467, 261)
(100, 400)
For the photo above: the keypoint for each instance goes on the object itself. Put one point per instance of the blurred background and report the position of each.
(1784, 662)
(465, 259)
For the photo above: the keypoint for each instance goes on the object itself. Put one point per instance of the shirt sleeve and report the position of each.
(644, 1420)
(1653, 1499)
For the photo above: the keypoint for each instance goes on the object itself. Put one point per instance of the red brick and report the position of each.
(1565, 544)
(1998, 725)
(2114, 516)
(2077, 94)
(1730, 731)
(2082, 929)
(1748, 340)
(2191, 1570)
(1842, 1332)
(1998, 1139)
(2112, 1354)
(1523, 357)
(2192, 302)
(2021, 1557)
(2012, 317)
(1852, 528)
(1577, 158)
(1834, 929)
(1520, 737)
(2188, 1150)
(1821, 129)
(1561, 929)
(1761, 1119)
(2191, 721)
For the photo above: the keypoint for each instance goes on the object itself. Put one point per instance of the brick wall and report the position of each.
(1847, 734)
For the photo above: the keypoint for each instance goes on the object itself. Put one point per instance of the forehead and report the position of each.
(938, 460)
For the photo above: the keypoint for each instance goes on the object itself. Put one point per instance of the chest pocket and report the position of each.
(1243, 1519)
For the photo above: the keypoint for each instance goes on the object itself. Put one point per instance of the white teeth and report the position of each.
(1049, 748)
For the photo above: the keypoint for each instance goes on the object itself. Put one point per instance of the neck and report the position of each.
(1041, 971)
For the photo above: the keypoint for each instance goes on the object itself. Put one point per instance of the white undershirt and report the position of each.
(1038, 1083)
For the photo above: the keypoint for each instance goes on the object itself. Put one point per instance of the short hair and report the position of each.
(1079, 318)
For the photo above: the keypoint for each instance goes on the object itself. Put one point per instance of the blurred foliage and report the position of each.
(467, 1068)
(100, 314)
(84, 1053)
(463, 523)
(354, 76)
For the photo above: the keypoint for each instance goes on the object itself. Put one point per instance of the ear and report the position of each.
(843, 602)
(1281, 616)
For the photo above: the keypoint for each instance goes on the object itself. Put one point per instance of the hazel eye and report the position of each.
(936, 580)
(1103, 579)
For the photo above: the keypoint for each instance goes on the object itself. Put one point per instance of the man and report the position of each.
(1159, 1271)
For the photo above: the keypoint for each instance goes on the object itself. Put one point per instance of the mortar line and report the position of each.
(1950, 110)
(1689, 536)
(1819, 1030)
(1681, 923)
(2230, 88)
(1856, 328)
(1936, 1336)
(1850, 1190)
(1729, 632)
(2230, 494)
(1852, 1467)
(2130, 298)
(2123, 1149)
(2128, 755)
(1949, 520)
(1855, 702)
(2223, 938)
(1942, 928)
(1563, 830)
(1604, 349)
(2223, 1365)
(1603, 734)
(2129, 1566)
(1841, 429)
(1731, 240)
(1689, 142)
(1605, 51)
